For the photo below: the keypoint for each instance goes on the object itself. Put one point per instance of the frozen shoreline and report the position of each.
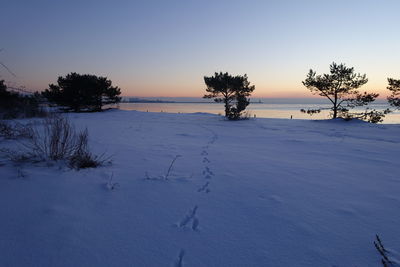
(261, 192)
(263, 110)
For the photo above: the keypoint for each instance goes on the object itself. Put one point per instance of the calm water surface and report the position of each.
(260, 110)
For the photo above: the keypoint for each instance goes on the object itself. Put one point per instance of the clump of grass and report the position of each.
(82, 158)
(57, 140)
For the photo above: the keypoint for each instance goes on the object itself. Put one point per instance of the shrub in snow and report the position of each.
(58, 140)
(82, 157)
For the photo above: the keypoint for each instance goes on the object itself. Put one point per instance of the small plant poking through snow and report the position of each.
(111, 185)
(383, 252)
(170, 166)
(167, 174)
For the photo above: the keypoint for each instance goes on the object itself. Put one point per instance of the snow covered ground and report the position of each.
(263, 192)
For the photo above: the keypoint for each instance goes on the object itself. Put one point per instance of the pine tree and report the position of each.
(233, 91)
(394, 88)
(82, 92)
(340, 87)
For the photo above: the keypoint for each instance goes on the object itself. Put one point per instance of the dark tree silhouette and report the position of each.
(6, 97)
(13, 105)
(230, 90)
(82, 92)
(394, 88)
(340, 87)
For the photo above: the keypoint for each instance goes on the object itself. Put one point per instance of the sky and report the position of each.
(165, 48)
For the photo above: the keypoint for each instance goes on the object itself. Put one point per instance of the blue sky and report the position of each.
(164, 48)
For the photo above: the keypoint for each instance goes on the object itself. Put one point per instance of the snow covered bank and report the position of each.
(264, 192)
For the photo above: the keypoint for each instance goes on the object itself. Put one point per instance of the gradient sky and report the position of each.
(164, 48)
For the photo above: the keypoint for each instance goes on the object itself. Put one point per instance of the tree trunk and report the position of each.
(226, 107)
(335, 107)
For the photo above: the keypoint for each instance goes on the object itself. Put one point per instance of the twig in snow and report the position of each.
(170, 166)
(110, 184)
(167, 174)
(381, 249)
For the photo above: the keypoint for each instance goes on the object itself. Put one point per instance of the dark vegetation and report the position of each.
(88, 93)
(76, 92)
(81, 157)
(394, 88)
(15, 130)
(233, 91)
(14, 105)
(340, 87)
(56, 140)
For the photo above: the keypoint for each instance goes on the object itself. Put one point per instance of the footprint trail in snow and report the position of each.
(190, 219)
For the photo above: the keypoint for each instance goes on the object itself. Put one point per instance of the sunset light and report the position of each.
(199, 133)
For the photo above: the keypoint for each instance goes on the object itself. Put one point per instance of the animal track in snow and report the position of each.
(206, 160)
(190, 217)
(179, 261)
(212, 141)
(208, 171)
(195, 224)
(204, 153)
(214, 136)
(204, 188)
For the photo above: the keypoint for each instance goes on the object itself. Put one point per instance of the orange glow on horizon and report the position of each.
(291, 88)
(261, 93)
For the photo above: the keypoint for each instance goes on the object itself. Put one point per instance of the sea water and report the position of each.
(260, 108)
